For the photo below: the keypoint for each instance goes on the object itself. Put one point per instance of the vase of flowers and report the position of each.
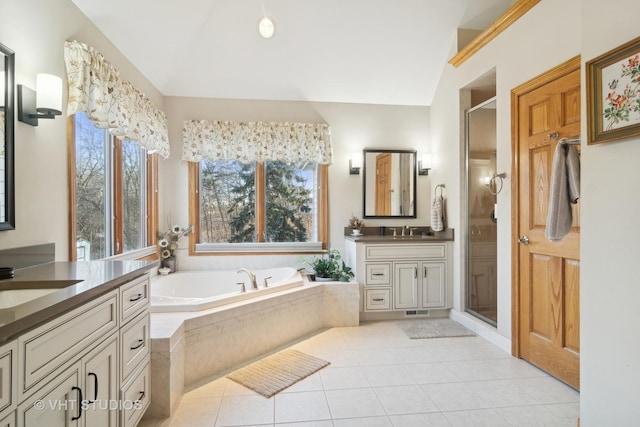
(168, 243)
(356, 224)
(330, 266)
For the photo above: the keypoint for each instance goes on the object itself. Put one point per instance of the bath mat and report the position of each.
(277, 372)
(434, 328)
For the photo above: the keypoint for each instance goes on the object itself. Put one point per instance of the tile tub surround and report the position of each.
(189, 348)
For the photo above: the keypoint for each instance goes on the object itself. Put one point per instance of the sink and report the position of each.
(14, 297)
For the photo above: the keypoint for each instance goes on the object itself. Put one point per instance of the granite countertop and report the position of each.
(373, 236)
(69, 285)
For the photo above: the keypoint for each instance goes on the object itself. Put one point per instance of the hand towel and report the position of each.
(564, 190)
(437, 213)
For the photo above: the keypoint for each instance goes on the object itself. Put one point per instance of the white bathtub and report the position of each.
(201, 290)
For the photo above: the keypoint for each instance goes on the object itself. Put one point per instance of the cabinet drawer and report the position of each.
(377, 299)
(134, 344)
(53, 344)
(378, 274)
(136, 397)
(9, 420)
(8, 361)
(134, 297)
(405, 251)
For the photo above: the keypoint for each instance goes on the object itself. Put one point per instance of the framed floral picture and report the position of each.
(613, 94)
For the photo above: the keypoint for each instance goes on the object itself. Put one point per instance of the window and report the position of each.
(261, 207)
(113, 194)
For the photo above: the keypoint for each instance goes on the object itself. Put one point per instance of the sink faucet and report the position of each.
(252, 277)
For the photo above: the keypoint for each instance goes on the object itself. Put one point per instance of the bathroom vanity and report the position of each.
(402, 275)
(74, 344)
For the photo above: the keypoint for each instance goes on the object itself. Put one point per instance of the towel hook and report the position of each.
(552, 135)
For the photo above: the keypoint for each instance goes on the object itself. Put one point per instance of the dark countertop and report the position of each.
(374, 237)
(74, 283)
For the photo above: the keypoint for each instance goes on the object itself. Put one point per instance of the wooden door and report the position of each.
(546, 274)
(383, 184)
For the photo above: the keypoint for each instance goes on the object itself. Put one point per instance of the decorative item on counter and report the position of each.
(329, 266)
(164, 271)
(356, 225)
(168, 243)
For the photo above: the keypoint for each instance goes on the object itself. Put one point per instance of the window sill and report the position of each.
(133, 255)
(262, 248)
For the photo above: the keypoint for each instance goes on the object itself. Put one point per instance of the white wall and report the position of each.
(610, 283)
(353, 127)
(551, 33)
(36, 31)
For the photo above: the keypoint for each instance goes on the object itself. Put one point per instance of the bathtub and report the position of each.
(200, 290)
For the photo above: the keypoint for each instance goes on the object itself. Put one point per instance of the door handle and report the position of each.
(524, 240)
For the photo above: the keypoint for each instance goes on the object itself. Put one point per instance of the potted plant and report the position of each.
(356, 224)
(330, 266)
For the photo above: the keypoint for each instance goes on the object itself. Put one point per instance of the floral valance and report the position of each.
(256, 141)
(95, 87)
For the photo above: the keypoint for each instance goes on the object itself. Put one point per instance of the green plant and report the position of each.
(330, 265)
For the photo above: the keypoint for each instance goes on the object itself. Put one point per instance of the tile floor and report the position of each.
(379, 377)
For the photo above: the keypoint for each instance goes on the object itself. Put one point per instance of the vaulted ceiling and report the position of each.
(355, 51)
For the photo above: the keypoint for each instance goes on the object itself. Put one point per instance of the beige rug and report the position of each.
(277, 372)
(434, 328)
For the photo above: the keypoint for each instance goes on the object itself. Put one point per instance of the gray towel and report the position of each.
(564, 190)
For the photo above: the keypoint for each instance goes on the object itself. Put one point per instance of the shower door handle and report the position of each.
(524, 240)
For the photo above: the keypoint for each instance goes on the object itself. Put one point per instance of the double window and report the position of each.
(264, 207)
(113, 193)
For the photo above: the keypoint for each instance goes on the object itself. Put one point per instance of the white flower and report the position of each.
(165, 253)
(163, 243)
(176, 229)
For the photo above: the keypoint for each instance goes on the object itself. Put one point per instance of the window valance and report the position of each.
(95, 87)
(256, 141)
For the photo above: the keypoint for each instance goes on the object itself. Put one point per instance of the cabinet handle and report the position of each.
(141, 396)
(136, 298)
(378, 299)
(378, 274)
(415, 272)
(137, 346)
(79, 403)
(424, 271)
(95, 377)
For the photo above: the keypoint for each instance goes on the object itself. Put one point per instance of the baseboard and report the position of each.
(483, 329)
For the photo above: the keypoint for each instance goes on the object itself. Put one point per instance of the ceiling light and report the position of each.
(266, 27)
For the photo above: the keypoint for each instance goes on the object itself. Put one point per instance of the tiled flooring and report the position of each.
(379, 377)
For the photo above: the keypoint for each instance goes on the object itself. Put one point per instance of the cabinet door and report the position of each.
(57, 404)
(101, 384)
(434, 284)
(405, 285)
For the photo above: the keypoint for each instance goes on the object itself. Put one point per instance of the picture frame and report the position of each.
(613, 94)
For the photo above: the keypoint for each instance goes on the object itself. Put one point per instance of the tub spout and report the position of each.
(252, 277)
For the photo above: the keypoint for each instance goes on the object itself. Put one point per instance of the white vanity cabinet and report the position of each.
(8, 373)
(402, 276)
(70, 368)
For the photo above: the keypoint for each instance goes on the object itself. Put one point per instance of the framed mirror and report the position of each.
(7, 77)
(389, 183)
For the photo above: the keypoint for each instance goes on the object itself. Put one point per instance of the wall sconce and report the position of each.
(355, 163)
(424, 164)
(45, 104)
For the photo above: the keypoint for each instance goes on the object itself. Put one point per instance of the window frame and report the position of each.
(115, 170)
(268, 248)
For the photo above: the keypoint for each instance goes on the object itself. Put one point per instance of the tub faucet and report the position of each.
(252, 277)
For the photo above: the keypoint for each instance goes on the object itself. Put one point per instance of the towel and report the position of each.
(564, 190)
(437, 213)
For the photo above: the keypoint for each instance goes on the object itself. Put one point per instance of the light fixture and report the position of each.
(355, 163)
(424, 164)
(44, 103)
(266, 27)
